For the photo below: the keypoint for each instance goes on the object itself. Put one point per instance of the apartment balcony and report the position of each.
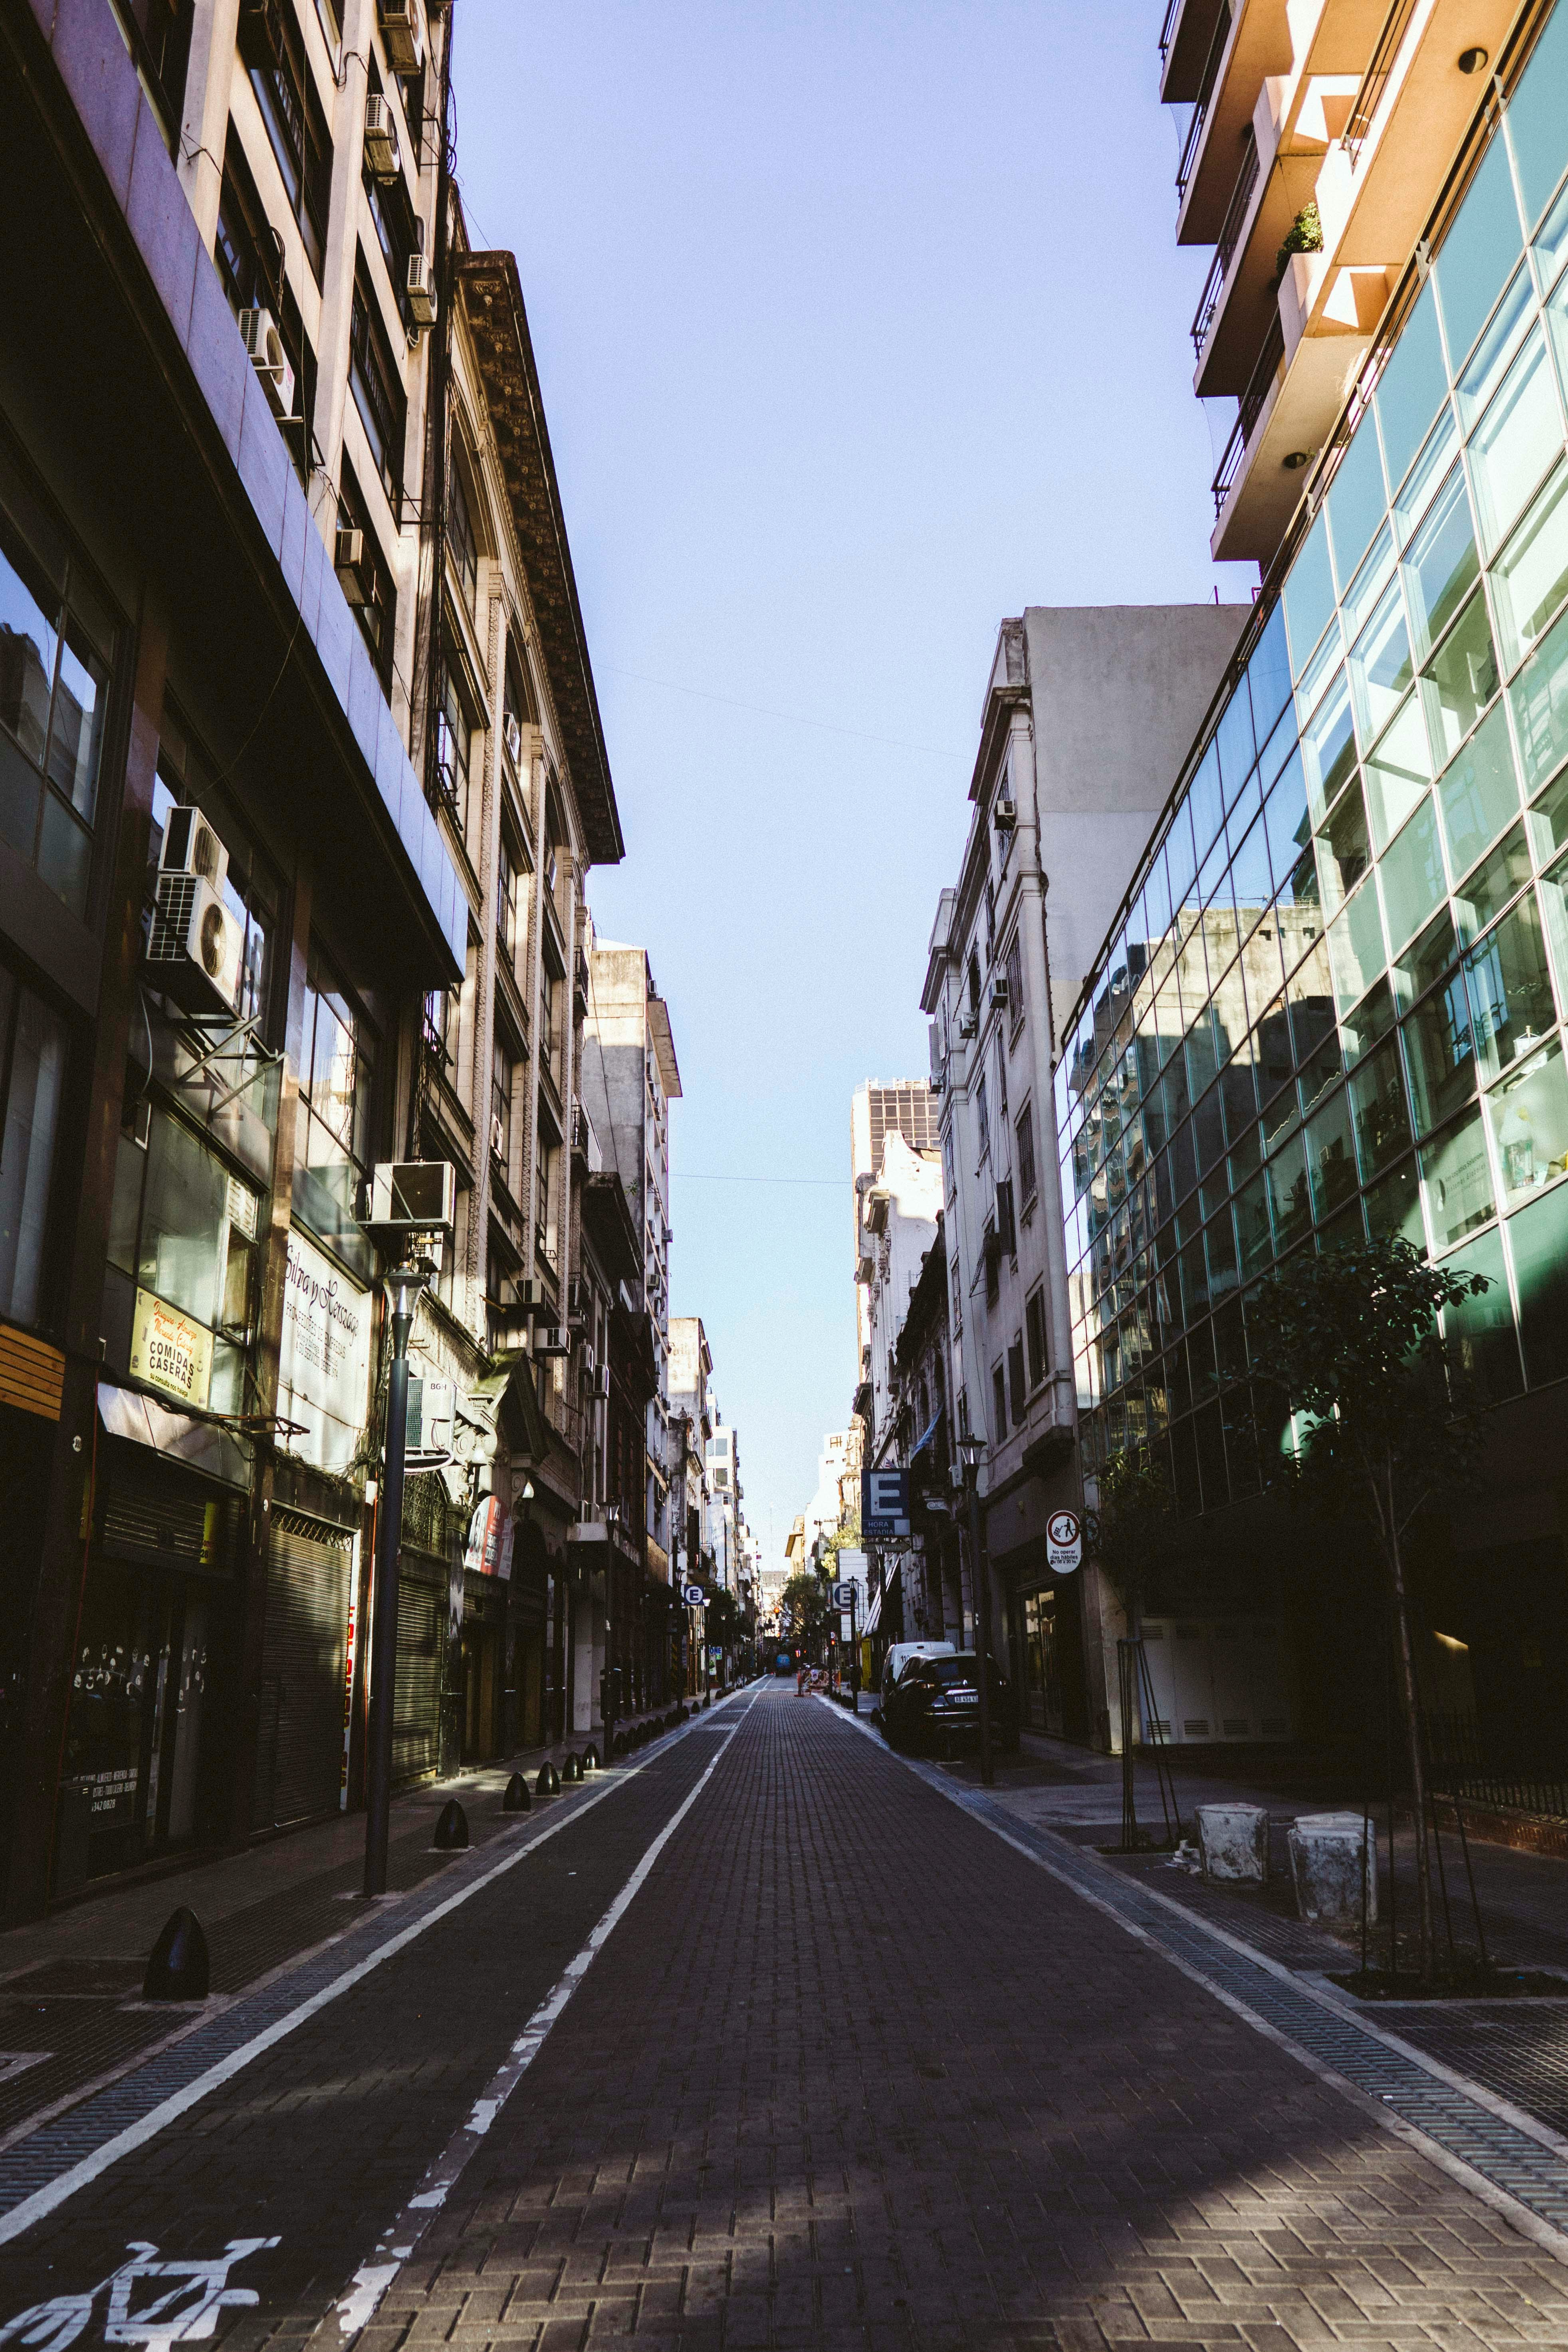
(1249, 48)
(1186, 37)
(1363, 126)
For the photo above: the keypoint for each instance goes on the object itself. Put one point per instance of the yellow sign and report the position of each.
(171, 1350)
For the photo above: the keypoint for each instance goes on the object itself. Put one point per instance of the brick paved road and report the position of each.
(1040, 2132)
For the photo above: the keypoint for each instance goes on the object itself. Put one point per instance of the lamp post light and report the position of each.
(608, 1708)
(971, 1445)
(403, 1287)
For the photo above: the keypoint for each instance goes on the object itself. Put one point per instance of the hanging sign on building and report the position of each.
(171, 1350)
(324, 1364)
(483, 1556)
(1064, 1542)
(884, 1505)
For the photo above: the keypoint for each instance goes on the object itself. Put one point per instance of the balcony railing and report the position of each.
(1194, 139)
(1172, 10)
(1376, 79)
(1248, 413)
(1225, 251)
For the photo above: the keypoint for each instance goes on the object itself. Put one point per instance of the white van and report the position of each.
(898, 1657)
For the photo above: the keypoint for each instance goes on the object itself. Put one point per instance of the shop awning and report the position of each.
(203, 1445)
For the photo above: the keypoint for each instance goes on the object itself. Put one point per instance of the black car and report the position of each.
(934, 1706)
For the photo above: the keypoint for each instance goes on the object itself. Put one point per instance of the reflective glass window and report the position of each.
(1429, 469)
(1538, 1244)
(1412, 385)
(1394, 1206)
(1516, 441)
(1330, 1155)
(1380, 665)
(1355, 501)
(1478, 791)
(1537, 121)
(1309, 596)
(1479, 1331)
(1205, 802)
(1497, 347)
(1328, 746)
(1368, 584)
(1343, 848)
(1379, 1112)
(1496, 880)
(1528, 1115)
(1529, 578)
(1289, 1194)
(1397, 772)
(1441, 562)
(1439, 1052)
(1234, 741)
(1461, 678)
(1478, 253)
(1539, 700)
(1511, 987)
(1455, 1182)
(1268, 674)
(1411, 874)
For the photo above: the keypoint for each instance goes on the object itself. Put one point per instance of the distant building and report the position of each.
(884, 1106)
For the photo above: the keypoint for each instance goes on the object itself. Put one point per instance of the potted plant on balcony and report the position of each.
(1305, 235)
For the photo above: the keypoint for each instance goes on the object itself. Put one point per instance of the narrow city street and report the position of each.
(765, 2040)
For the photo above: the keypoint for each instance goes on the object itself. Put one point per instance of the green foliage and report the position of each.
(1137, 1509)
(803, 1610)
(1305, 235)
(1351, 1337)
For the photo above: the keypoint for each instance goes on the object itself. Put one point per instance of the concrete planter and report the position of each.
(1234, 1842)
(1326, 1865)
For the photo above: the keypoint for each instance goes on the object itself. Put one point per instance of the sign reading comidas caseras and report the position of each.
(171, 1350)
(324, 1364)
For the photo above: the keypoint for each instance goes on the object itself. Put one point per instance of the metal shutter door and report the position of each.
(416, 1710)
(300, 1765)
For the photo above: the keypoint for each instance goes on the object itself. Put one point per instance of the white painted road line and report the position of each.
(356, 2309)
(56, 2192)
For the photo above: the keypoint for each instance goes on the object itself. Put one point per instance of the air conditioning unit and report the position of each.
(601, 1382)
(1004, 815)
(401, 34)
(578, 1297)
(381, 158)
(421, 286)
(194, 945)
(552, 1339)
(191, 846)
(351, 561)
(511, 729)
(431, 1403)
(968, 1024)
(498, 1138)
(411, 1196)
(263, 349)
(259, 35)
(999, 993)
(528, 1292)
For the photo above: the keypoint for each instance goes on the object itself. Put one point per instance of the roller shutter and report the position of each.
(421, 1629)
(303, 1651)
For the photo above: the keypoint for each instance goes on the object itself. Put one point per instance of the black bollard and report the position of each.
(452, 1829)
(590, 1759)
(549, 1781)
(177, 1969)
(517, 1799)
(618, 1745)
(571, 1770)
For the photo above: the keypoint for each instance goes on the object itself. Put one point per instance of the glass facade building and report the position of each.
(1336, 1005)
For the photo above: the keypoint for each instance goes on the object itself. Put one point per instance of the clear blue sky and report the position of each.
(859, 328)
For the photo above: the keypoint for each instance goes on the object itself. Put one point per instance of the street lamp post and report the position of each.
(403, 1289)
(971, 1445)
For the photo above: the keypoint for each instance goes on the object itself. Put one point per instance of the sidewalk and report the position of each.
(71, 2008)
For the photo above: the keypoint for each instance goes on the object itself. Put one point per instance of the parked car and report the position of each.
(899, 1656)
(934, 1706)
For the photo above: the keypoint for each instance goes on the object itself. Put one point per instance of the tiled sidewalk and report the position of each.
(856, 2072)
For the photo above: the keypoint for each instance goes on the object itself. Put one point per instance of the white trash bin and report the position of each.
(1326, 1851)
(1234, 1842)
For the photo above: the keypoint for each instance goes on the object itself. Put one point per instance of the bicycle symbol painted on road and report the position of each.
(183, 2310)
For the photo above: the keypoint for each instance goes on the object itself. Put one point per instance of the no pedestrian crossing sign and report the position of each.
(1064, 1542)
(694, 1596)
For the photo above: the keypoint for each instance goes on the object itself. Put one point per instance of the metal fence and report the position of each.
(1513, 1770)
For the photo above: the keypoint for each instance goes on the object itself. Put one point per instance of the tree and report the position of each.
(1136, 1511)
(1379, 1421)
(803, 1611)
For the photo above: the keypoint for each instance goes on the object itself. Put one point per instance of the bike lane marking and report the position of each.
(73, 2177)
(400, 2241)
(53, 2326)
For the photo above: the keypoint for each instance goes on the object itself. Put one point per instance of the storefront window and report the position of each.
(337, 1085)
(180, 1292)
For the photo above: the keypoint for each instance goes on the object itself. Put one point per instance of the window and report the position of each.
(1035, 1331)
(1001, 1076)
(1015, 1382)
(184, 1232)
(1023, 1129)
(159, 32)
(500, 1105)
(398, 231)
(55, 637)
(374, 601)
(441, 1024)
(460, 540)
(33, 1048)
(377, 382)
(983, 1119)
(453, 745)
(506, 894)
(297, 126)
(1014, 979)
(998, 1404)
(334, 1136)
